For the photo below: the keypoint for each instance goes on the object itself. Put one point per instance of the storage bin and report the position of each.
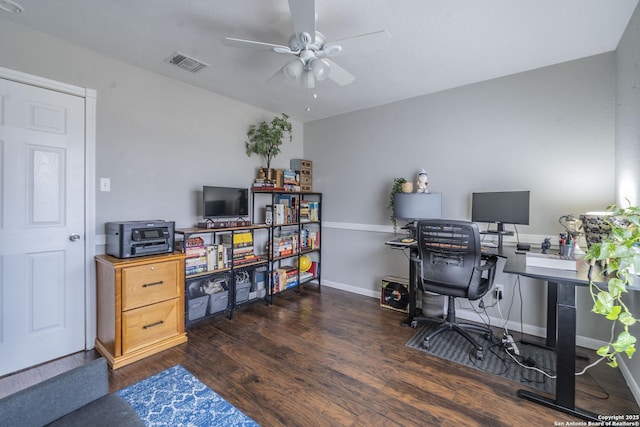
(242, 291)
(197, 307)
(218, 301)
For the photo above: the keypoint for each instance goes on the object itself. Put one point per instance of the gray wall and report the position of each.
(551, 131)
(158, 140)
(541, 131)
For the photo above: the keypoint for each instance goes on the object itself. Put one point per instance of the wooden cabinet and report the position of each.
(140, 306)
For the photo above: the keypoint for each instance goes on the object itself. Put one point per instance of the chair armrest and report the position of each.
(491, 263)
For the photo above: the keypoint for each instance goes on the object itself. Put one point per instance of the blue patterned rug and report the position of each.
(174, 397)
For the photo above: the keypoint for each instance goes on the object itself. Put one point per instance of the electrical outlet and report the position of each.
(498, 289)
(105, 184)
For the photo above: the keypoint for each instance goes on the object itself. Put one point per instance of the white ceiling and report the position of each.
(435, 44)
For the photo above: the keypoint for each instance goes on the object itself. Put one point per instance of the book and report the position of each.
(212, 257)
(551, 261)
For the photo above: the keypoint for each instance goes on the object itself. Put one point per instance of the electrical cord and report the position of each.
(532, 368)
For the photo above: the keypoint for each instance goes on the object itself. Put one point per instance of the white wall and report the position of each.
(628, 150)
(158, 140)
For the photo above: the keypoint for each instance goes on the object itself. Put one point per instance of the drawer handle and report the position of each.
(158, 323)
(146, 285)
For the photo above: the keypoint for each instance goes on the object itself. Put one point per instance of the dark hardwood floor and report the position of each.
(332, 358)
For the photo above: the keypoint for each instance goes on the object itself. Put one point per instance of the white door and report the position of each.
(42, 244)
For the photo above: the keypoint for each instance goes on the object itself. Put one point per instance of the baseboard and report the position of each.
(352, 289)
(629, 379)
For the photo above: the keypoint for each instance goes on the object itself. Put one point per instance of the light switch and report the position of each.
(105, 184)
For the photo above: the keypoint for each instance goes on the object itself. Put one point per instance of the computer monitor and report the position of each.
(413, 206)
(501, 207)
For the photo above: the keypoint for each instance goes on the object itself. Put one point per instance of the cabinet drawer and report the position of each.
(149, 283)
(147, 325)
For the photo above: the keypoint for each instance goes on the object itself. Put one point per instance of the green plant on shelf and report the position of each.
(396, 188)
(619, 254)
(265, 138)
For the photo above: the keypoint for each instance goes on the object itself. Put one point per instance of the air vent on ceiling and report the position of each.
(186, 63)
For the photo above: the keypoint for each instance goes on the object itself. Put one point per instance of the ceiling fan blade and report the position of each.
(363, 42)
(303, 15)
(233, 42)
(339, 74)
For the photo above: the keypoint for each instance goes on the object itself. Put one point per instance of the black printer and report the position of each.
(129, 239)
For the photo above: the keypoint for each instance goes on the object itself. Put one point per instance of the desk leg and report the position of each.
(552, 322)
(412, 288)
(552, 319)
(566, 364)
(552, 315)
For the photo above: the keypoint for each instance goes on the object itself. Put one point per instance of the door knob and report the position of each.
(74, 237)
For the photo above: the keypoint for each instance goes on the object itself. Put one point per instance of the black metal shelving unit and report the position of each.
(299, 226)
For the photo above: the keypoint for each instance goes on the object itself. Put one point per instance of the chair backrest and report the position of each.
(450, 253)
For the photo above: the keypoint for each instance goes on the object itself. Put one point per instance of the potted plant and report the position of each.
(396, 188)
(265, 139)
(619, 254)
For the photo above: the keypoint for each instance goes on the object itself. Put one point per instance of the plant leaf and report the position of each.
(614, 312)
(626, 319)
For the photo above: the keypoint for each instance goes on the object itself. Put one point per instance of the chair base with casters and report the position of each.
(450, 324)
(451, 264)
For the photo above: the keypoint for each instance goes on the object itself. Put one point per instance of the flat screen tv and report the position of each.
(224, 202)
(501, 207)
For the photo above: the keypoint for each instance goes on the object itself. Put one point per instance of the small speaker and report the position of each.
(395, 294)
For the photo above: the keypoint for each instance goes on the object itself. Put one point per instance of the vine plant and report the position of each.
(396, 188)
(620, 255)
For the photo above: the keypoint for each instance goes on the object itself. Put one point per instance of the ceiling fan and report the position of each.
(311, 50)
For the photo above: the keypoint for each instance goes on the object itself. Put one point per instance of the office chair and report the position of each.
(451, 264)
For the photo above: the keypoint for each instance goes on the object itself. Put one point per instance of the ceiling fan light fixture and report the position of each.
(320, 69)
(308, 80)
(10, 6)
(293, 70)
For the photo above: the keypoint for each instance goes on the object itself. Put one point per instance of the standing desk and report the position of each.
(561, 327)
(561, 319)
(413, 254)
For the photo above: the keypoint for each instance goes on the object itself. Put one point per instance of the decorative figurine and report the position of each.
(546, 245)
(422, 182)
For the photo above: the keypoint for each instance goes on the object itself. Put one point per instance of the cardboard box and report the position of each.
(298, 164)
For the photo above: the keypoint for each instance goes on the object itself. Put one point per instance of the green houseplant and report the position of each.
(396, 188)
(620, 255)
(266, 138)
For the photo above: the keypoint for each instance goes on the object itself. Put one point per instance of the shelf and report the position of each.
(225, 241)
(263, 260)
(196, 230)
(299, 216)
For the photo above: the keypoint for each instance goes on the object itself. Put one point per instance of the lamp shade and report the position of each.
(320, 69)
(413, 206)
(293, 69)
